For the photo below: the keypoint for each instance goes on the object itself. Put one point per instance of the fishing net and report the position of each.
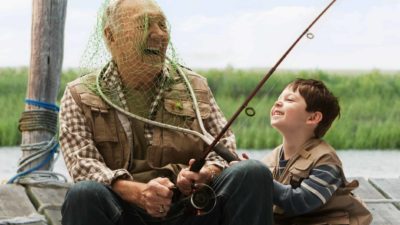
(138, 71)
(96, 54)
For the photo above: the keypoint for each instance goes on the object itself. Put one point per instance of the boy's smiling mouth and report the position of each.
(277, 113)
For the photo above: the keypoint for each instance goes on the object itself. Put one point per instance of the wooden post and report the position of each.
(47, 43)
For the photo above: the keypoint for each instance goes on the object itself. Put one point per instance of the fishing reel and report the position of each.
(202, 200)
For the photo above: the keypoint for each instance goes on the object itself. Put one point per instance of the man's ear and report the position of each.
(108, 34)
(315, 118)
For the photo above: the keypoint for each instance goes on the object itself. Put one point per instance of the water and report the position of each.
(9, 162)
(371, 163)
(365, 163)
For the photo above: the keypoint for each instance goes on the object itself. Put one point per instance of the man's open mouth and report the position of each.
(152, 51)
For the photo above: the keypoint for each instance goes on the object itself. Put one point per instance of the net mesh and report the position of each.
(130, 48)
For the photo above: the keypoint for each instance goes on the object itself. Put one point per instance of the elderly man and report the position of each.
(125, 170)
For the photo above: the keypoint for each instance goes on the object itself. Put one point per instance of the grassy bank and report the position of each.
(370, 105)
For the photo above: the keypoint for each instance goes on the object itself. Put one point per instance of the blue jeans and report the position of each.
(244, 197)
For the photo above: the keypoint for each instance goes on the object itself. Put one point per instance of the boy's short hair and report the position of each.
(318, 98)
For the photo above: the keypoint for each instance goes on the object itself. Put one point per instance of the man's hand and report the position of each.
(186, 178)
(155, 196)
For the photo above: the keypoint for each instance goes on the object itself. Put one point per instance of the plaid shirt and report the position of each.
(83, 160)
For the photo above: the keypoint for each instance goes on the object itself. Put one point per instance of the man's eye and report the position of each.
(162, 25)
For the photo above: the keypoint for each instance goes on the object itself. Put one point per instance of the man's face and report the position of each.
(139, 38)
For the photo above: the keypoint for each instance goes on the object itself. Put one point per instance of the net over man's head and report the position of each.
(132, 33)
(136, 35)
(139, 72)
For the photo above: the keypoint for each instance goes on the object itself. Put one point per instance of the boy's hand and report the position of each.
(244, 157)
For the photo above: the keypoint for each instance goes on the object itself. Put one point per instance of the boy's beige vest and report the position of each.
(115, 138)
(342, 208)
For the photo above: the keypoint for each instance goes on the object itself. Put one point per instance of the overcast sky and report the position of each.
(354, 34)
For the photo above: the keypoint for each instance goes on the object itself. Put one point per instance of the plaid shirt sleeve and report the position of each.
(83, 160)
(214, 125)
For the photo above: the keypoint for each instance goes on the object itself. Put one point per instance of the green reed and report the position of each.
(370, 106)
(13, 86)
(370, 103)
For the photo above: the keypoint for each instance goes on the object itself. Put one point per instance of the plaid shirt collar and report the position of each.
(111, 78)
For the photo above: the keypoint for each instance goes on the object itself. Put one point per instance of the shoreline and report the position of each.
(356, 163)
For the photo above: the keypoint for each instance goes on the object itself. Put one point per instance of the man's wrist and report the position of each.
(129, 191)
(213, 171)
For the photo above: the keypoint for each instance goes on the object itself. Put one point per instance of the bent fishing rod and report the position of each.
(218, 147)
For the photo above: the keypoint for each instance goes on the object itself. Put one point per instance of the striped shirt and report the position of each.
(312, 193)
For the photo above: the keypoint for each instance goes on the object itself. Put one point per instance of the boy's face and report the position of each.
(289, 111)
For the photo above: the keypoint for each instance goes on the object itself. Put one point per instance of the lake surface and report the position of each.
(356, 163)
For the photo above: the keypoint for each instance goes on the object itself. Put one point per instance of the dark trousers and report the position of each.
(244, 197)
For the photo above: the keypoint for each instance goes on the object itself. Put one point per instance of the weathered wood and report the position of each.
(16, 207)
(48, 201)
(382, 213)
(47, 43)
(390, 188)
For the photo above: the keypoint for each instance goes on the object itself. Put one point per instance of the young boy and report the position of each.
(309, 183)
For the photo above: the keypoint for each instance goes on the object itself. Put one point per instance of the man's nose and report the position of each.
(156, 32)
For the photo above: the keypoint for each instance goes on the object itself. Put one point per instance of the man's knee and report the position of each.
(251, 174)
(86, 191)
(253, 169)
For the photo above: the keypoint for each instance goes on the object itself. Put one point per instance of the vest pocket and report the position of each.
(104, 127)
(179, 103)
(103, 121)
(299, 172)
(105, 136)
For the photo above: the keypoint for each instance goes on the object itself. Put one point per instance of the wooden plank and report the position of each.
(48, 201)
(53, 216)
(382, 213)
(16, 208)
(389, 187)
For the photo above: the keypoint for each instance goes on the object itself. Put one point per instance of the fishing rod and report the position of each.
(203, 199)
(218, 147)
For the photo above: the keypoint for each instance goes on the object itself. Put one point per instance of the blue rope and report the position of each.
(44, 162)
(45, 105)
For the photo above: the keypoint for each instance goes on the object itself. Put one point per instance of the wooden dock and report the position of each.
(32, 205)
(37, 205)
(380, 188)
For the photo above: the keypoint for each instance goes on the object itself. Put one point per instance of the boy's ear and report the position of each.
(315, 118)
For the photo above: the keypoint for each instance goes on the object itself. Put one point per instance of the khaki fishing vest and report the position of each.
(342, 208)
(116, 140)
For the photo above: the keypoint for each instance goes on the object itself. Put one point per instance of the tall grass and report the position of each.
(370, 104)
(13, 86)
